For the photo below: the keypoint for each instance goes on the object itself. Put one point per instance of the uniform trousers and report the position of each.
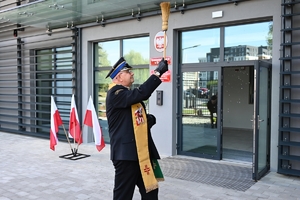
(127, 176)
(212, 121)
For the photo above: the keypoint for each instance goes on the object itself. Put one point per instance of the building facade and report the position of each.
(244, 52)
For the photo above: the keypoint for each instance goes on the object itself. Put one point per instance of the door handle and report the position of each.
(252, 122)
(259, 120)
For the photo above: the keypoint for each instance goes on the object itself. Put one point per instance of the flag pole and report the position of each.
(74, 151)
(74, 155)
(80, 136)
(67, 138)
(74, 133)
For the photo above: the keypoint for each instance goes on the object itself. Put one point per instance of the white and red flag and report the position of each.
(55, 123)
(91, 120)
(74, 125)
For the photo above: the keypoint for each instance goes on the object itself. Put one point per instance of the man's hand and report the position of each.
(162, 67)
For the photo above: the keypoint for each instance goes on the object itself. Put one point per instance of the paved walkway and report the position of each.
(30, 170)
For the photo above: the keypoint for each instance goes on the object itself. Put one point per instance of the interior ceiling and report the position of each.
(65, 13)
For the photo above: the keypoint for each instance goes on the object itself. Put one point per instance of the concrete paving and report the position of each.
(30, 170)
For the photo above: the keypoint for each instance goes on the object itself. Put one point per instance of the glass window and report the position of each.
(101, 84)
(136, 52)
(106, 53)
(201, 46)
(199, 119)
(248, 42)
(53, 77)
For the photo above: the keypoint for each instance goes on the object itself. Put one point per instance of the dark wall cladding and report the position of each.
(25, 91)
(289, 137)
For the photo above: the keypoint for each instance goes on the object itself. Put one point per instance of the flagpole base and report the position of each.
(74, 155)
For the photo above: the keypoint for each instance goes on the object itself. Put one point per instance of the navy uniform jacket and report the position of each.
(118, 111)
(212, 107)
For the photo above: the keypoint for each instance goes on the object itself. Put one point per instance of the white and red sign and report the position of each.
(166, 77)
(159, 41)
(155, 61)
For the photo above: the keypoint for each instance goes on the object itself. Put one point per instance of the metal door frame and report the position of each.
(207, 67)
(255, 173)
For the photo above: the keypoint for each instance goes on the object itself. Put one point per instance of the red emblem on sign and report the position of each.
(159, 41)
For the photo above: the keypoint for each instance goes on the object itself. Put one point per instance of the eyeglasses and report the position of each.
(128, 71)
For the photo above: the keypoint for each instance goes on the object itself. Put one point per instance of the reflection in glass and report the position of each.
(64, 57)
(199, 136)
(106, 53)
(248, 42)
(197, 46)
(101, 85)
(136, 50)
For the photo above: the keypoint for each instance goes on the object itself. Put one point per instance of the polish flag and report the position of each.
(74, 125)
(55, 123)
(91, 120)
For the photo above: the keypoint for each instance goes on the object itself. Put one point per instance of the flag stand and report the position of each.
(74, 155)
(88, 120)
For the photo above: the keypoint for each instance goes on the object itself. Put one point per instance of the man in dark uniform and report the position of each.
(124, 154)
(212, 106)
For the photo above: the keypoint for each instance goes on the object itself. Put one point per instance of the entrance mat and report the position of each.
(231, 154)
(211, 173)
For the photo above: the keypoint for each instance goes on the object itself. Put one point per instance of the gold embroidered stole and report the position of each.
(141, 137)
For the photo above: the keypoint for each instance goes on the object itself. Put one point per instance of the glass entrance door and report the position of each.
(261, 129)
(200, 123)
